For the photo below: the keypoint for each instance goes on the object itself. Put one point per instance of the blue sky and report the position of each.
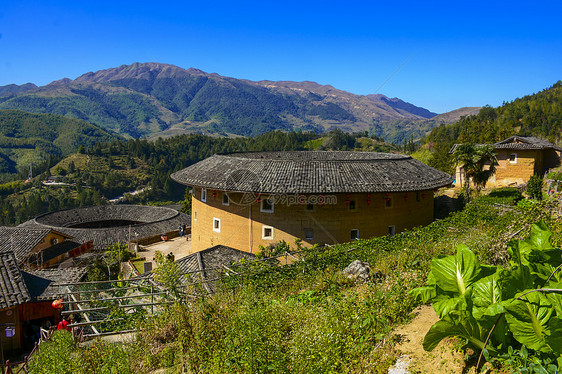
(440, 55)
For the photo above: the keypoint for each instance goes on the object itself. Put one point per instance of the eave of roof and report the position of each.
(313, 172)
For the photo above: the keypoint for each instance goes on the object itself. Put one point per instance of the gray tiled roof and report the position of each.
(525, 142)
(42, 284)
(13, 290)
(151, 221)
(208, 264)
(519, 143)
(21, 240)
(312, 172)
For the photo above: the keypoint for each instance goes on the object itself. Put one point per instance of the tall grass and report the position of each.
(309, 317)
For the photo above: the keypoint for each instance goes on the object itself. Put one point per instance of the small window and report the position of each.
(388, 202)
(354, 234)
(195, 215)
(225, 199)
(216, 225)
(54, 241)
(308, 234)
(267, 233)
(266, 206)
(352, 205)
(513, 158)
(391, 230)
(204, 195)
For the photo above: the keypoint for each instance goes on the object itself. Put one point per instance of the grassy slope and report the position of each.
(308, 317)
(27, 137)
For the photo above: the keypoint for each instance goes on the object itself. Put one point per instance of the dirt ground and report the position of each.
(443, 359)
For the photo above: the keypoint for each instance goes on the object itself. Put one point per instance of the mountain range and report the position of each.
(154, 99)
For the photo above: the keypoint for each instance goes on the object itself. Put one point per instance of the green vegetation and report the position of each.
(308, 316)
(496, 307)
(40, 138)
(534, 187)
(538, 115)
(473, 159)
(107, 170)
(155, 98)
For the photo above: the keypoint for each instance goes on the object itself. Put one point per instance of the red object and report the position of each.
(423, 195)
(63, 325)
(57, 304)
(368, 202)
(347, 202)
(214, 193)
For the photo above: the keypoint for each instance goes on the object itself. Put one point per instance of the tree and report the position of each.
(534, 187)
(479, 163)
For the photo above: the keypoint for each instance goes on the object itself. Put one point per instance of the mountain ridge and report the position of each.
(157, 99)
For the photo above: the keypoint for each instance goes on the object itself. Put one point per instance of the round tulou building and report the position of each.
(245, 200)
(105, 225)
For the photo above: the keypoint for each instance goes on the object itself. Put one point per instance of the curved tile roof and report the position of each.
(312, 172)
(13, 290)
(525, 142)
(151, 221)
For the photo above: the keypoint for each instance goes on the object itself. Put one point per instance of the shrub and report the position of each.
(534, 187)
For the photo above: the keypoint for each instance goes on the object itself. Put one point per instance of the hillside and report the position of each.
(539, 115)
(310, 315)
(153, 99)
(26, 138)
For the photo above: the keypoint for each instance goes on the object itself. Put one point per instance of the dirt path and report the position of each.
(443, 359)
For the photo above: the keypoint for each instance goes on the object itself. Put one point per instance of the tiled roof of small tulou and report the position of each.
(316, 172)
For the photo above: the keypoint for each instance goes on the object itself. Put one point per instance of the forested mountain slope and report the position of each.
(27, 137)
(538, 115)
(153, 99)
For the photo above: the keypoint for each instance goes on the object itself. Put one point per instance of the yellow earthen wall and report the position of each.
(330, 223)
(508, 173)
(46, 242)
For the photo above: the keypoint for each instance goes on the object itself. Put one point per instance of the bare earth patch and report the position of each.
(443, 359)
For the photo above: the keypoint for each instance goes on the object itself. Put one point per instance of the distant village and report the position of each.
(238, 208)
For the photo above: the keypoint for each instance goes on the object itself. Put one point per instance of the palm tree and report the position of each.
(474, 158)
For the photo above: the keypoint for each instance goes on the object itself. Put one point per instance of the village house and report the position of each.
(39, 247)
(519, 157)
(26, 301)
(248, 200)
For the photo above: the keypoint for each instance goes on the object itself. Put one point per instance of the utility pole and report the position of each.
(30, 174)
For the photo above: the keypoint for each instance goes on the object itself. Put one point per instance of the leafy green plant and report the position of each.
(534, 187)
(493, 307)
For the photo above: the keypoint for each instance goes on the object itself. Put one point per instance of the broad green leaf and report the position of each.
(444, 305)
(555, 298)
(456, 323)
(424, 294)
(486, 295)
(519, 252)
(538, 240)
(456, 273)
(516, 280)
(501, 335)
(540, 237)
(528, 320)
(554, 340)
